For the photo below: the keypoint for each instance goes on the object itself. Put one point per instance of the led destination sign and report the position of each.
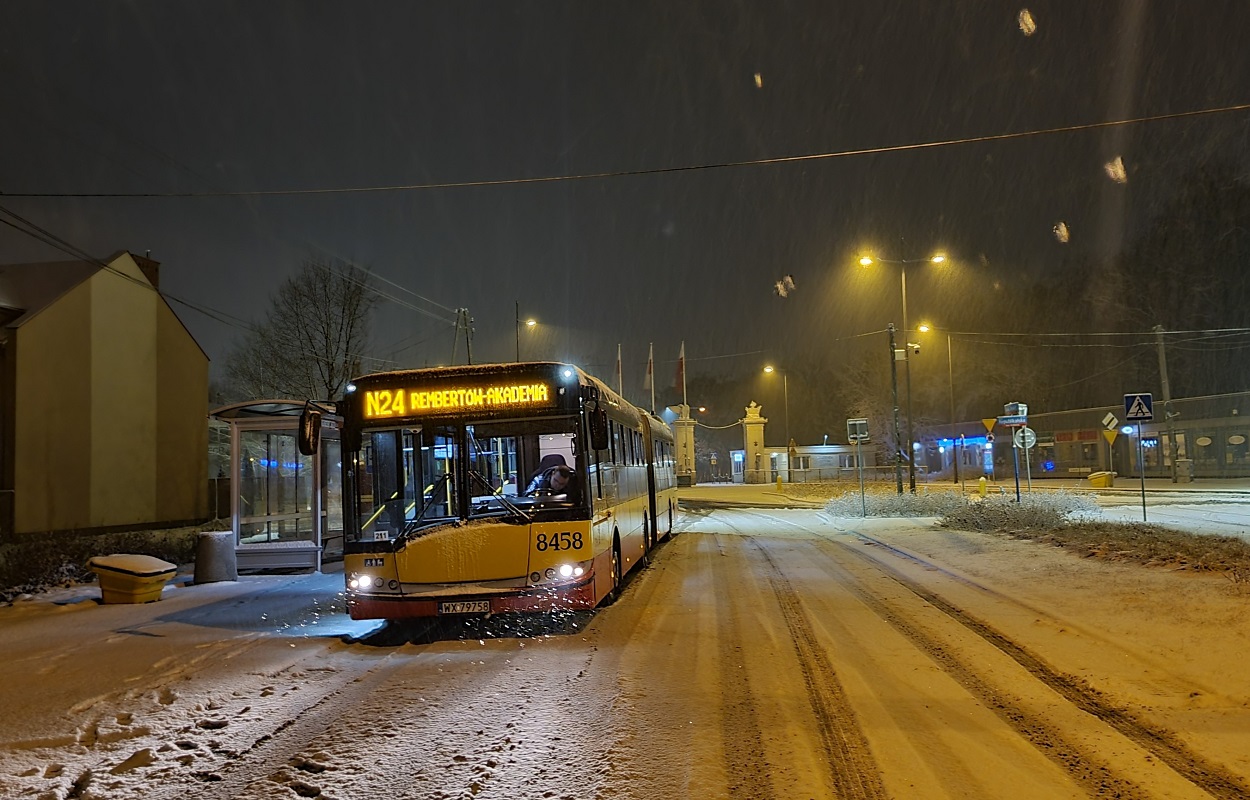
(384, 403)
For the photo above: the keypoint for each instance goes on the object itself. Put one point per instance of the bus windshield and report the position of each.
(410, 478)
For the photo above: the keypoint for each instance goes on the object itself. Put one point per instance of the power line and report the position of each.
(586, 176)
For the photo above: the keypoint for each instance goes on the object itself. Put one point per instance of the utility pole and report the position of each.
(1167, 399)
(950, 370)
(463, 320)
(898, 453)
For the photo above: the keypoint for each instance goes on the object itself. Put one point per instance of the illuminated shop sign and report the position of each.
(384, 403)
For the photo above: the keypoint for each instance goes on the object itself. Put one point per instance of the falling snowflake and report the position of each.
(1061, 232)
(759, 81)
(1027, 24)
(784, 286)
(1115, 170)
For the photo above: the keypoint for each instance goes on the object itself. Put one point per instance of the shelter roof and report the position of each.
(251, 409)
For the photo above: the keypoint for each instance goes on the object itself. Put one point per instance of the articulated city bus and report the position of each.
(497, 487)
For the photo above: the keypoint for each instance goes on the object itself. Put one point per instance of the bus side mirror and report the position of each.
(309, 431)
(599, 428)
(351, 435)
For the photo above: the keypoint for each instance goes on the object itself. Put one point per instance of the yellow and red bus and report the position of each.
(450, 506)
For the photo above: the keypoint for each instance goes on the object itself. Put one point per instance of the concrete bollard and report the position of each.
(215, 559)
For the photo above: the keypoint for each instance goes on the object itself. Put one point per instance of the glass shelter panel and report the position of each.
(275, 489)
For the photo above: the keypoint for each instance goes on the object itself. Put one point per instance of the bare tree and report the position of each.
(310, 345)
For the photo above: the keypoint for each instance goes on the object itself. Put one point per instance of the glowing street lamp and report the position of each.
(936, 258)
(529, 323)
(785, 391)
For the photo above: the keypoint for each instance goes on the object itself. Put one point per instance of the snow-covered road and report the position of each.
(762, 654)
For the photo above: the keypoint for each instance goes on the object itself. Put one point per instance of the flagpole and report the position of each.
(651, 373)
(683, 373)
(620, 379)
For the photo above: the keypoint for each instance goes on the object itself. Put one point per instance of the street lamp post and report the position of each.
(785, 393)
(898, 445)
(868, 261)
(529, 323)
(950, 375)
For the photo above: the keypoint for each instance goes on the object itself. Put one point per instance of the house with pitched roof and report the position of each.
(103, 401)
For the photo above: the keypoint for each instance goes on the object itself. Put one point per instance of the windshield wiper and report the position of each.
(498, 495)
(425, 505)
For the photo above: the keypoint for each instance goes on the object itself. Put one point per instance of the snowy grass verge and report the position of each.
(1064, 520)
(36, 566)
(891, 504)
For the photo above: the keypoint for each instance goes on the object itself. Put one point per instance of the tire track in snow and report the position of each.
(746, 763)
(853, 772)
(1084, 767)
(852, 769)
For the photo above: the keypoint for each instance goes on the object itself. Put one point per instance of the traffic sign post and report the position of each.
(1139, 408)
(1025, 438)
(1016, 415)
(857, 432)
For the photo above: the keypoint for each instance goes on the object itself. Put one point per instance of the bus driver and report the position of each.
(554, 476)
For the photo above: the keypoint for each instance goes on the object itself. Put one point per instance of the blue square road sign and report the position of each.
(1139, 407)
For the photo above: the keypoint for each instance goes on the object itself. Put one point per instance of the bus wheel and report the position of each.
(616, 571)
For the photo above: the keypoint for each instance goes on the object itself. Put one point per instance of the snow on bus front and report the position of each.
(479, 566)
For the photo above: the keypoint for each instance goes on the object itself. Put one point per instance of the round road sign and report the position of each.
(1024, 437)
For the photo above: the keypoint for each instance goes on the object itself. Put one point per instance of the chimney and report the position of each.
(151, 269)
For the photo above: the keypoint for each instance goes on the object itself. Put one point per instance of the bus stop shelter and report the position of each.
(286, 508)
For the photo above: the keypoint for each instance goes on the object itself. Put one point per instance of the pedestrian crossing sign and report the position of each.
(1139, 407)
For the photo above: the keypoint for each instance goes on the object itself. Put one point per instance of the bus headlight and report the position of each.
(360, 582)
(559, 573)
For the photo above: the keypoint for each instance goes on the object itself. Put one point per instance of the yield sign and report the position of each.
(1110, 436)
(989, 423)
(1139, 407)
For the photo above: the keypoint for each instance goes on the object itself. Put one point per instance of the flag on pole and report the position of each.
(681, 372)
(620, 383)
(650, 384)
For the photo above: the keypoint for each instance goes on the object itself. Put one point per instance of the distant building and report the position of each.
(103, 401)
(811, 463)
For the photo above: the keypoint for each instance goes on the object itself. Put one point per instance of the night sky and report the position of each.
(210, 97)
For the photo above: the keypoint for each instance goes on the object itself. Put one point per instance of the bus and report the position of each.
(476, 490)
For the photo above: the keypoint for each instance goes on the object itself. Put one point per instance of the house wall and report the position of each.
(123, 421)
(181, 422)
(110, 411)
(52, 416)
